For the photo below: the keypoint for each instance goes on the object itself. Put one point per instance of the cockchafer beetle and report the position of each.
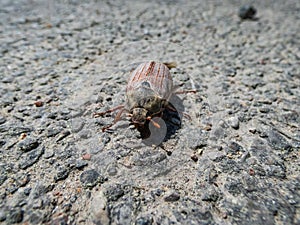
(148, 91)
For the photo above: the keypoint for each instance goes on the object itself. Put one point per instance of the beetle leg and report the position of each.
(175, 90)
(105, 128)
(118, 116)
(187, 116)
(171, 108)
(185, 92)
(108, 111)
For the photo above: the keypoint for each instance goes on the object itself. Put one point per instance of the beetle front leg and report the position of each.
(185, 92)
(108, 111)
(117, 118)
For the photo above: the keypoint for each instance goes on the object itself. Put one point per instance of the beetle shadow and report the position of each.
(169, 123)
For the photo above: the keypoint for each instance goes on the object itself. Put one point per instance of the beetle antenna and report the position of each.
(153, 122)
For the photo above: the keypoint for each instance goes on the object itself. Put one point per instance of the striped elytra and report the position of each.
(152, 75)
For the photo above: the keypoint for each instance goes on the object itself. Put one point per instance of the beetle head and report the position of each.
(139, 116)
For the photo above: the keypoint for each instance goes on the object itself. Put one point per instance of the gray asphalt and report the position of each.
(236, 161)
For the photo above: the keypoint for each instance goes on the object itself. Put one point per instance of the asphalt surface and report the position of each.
(236, 161)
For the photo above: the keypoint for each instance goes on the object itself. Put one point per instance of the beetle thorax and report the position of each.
(142, 104)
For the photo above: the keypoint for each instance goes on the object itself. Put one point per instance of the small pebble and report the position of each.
(30, 158)
(38, 103)
(251, 172)
(172, 197)
(194, 157)
(15, 216)
(28, 144)
(234, 122)
(89, 178)
(147, 220)
(22, 136)
(2, 215)
(62, 173)
(27, 191)
(2, 120)
(247, 12)
(86, 156)
(80, 164)
(114, 192)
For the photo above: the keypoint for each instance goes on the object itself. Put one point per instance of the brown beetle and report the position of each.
(148, 91)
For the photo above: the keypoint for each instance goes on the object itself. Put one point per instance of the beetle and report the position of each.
(148, 92)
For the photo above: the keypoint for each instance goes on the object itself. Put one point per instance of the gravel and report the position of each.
(236, 161)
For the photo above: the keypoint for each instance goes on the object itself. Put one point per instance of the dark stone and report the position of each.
(194, 157)
(123, 213)
(210, 195)
(89, 178)
(2, 142)
(15, 216)
(198, 139)
(114, 192)
(250, 183)
(27, 191)
(53, 131)
(67, 207)
(112, 170)
(66, 152)
(62, 173)
(247, 12)
(145, 220)
(73, 198)
(15, 130)
(230, 166)
(22, 179)
(234, 147)
(12, 188)
(80, 164)
(234, 186)
(172, 197)
(35, 218)
(28, 144)
(18, 73)
(40, 190)
(264, 110)
(259, 170)
(192, 216)
(63, 135)
(52, 115)
(278, 171)
(30, 158)
(3, 178)
(2, 119)
(157, 192)
(105, 139)
(277, 141)
(3, 214)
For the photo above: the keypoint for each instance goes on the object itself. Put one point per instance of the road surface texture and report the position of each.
(235, 162)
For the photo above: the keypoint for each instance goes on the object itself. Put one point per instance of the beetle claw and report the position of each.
(96, 115)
